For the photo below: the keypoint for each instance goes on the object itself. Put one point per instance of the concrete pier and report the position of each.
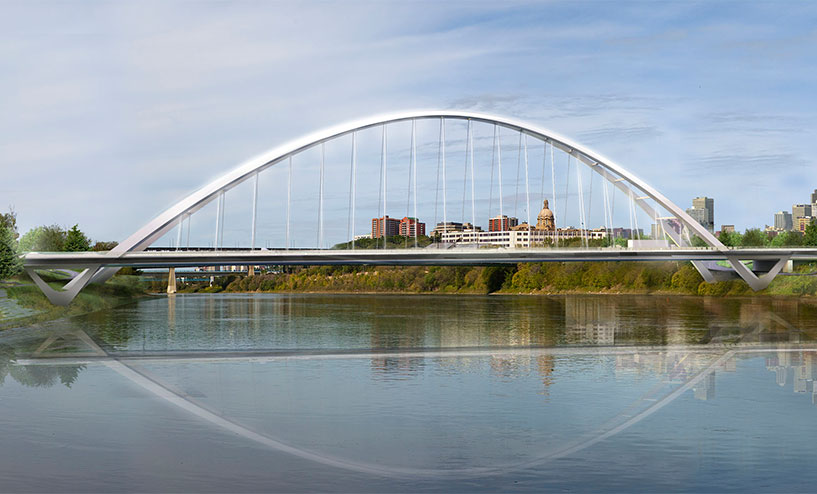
(171, 280)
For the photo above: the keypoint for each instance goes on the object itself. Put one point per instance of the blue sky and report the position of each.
(112, 111)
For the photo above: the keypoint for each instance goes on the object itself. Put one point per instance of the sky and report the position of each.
(110, 112)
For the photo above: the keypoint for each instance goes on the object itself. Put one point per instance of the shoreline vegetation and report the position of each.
(678, 278)
(603, 278)
(21, 291)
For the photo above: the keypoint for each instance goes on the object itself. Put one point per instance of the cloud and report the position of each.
(767, 163)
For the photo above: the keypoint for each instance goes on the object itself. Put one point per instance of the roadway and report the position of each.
(399, 257)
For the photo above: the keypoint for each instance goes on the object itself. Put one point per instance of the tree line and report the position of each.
(755, 237)
(50, 238)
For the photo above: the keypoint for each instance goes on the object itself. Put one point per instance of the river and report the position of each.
(269, 392)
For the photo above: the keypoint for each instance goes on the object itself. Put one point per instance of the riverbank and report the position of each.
(526, 278)
(25, 304)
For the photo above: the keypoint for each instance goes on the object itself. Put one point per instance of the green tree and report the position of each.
(697, 241)
(730, 239)
(43, 239)
(810, 235)
(787, 239)
(76, 241)
(10, 263)
(753, 237)
(9, 220)
(104, 246)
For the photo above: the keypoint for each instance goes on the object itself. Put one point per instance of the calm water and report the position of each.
(414, 393)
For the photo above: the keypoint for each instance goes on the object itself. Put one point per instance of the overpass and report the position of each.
(311, 195)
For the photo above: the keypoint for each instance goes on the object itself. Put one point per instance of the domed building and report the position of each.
(546, 221)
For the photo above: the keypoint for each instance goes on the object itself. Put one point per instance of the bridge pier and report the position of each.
(771, 269)
(171, 280)
(251, 270)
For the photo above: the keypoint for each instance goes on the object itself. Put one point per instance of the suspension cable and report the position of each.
(414, 176)
(254, 211)
(439, 162)
(320, 200)
(384, 160)
(491, 188)
(553, 191)
(465, 170)
(180, 229)
(445, 194)
(349, 235)
(527, 184)
(289, 202)
(606, 199)
(518, 166)
(473, 200)
(408, 195)
(499, 166)
(567, 186)
(589, 217)
(582, 217)
(219, 206)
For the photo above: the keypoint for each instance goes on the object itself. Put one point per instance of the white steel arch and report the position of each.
(606, 167)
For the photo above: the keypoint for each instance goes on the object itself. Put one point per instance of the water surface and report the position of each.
(413, 393)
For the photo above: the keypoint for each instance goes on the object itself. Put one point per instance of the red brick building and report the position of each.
(385, 226)
(502, 223)
(408, 226)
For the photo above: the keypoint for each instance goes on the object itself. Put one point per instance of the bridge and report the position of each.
(299, 196)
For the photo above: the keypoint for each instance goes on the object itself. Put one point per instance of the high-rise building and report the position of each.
(800, 211)
(814, 196)
(385, 226)
(802, 222)
(783, 221)
(502, 223)
(411, 226)
(727, 228)
(703, 211)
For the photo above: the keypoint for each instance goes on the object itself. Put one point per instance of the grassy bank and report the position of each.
(543, 278)
(117, 291)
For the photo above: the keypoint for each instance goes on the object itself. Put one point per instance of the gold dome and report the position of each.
(546, 220)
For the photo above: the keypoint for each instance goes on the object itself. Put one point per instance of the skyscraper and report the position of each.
(800, 211)
(783, 221)
(703, 211)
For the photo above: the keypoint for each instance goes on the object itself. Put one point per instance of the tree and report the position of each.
(787, 239)
(697, 241)
(810, 235)
(730, 239)
(43, 239)
(10, 262)
(76, 241)
(753, 237)
(9, 220)
(104, 246)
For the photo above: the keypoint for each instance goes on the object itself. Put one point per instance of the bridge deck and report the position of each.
(398, 257)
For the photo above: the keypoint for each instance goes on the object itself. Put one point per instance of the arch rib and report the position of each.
(198, 199)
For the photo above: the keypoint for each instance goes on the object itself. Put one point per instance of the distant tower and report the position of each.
(703, 211)
(546, 220)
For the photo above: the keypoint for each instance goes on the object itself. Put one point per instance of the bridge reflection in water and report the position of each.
(603, 365)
